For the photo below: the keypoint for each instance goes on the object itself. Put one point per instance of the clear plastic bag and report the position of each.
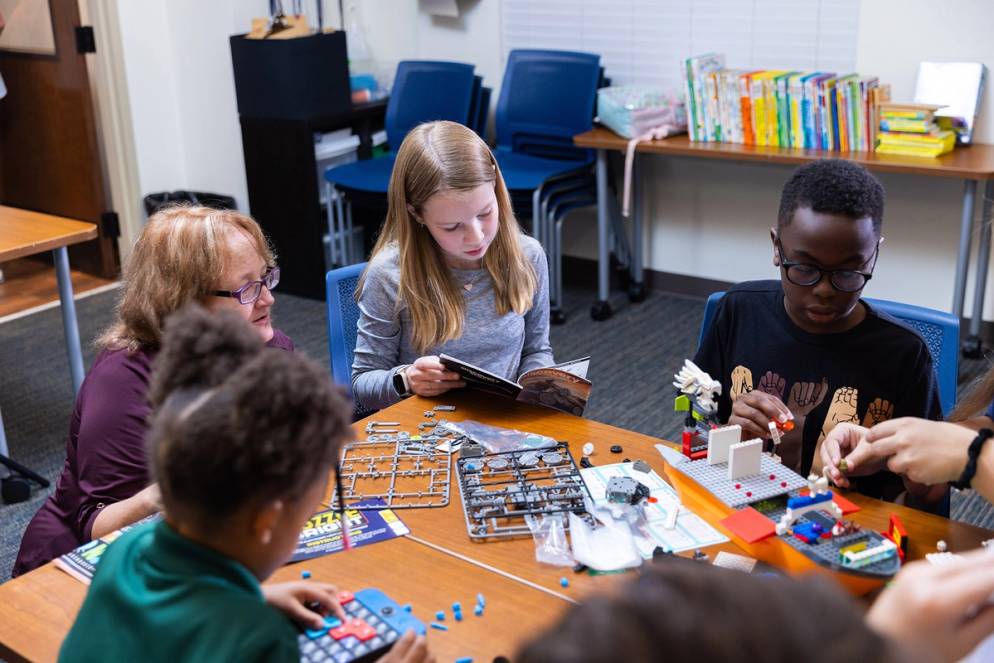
(498, 440)
(551, 544)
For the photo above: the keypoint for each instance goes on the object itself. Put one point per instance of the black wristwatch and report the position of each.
(400, 382)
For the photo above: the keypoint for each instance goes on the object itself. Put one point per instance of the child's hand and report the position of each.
(926, 452)
(842, 442)
(942, 609)
(410, 648)
(427, 376)
(754, 412)
(291, 598)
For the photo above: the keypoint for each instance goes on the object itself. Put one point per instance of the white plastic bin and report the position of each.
(333, 149)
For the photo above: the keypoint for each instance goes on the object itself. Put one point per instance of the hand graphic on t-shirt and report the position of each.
(806, 396)
(741, 382)
(842, 409)
(880, 410)
(772, 384)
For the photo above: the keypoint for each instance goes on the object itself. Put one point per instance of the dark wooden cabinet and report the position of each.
(283, 190)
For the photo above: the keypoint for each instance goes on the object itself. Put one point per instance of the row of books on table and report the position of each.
(814, 110)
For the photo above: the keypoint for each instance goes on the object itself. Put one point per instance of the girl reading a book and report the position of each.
(451, 273)
(218, 258)
(241, 444)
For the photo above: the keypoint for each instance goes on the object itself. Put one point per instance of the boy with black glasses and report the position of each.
(807, 348)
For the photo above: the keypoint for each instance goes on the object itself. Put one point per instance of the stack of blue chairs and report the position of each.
(422, 91)
(546, 98)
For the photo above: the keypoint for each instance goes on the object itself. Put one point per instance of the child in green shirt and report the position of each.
(241, 444)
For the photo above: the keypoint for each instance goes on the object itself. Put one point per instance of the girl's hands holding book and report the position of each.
(428, 377)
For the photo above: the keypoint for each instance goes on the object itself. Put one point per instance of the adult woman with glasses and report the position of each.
(219, 258)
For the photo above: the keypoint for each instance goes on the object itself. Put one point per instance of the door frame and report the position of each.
(112, 110)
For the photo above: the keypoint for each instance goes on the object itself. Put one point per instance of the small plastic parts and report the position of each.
(585, 462)
(564, 582)
(444, 408)
(480, 600)
(465, 659)
(588, 449)
(458, 616)
(616, 449)
(941, 546)
(478, 610)
(439, 627)
(440, 615)
(429, 413)
(457, 607)
(305, 574)
(408, 607)
(641, 466)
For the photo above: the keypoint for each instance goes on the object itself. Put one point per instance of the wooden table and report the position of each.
(446, 527)
(438, 563)
(25, 233)
(971, 164)
(38, 608)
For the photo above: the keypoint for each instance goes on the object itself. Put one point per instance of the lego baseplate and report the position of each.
(499, 489)
(773, 479)
(404, 473)
(826, 551)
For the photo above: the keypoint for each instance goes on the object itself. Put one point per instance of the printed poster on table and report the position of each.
(322, 535)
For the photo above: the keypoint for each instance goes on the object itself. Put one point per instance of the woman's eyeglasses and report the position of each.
(250, 292)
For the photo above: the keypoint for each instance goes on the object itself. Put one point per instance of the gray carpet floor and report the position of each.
(634, 355)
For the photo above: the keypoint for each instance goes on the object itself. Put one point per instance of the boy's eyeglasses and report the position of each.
(251, 291)
(843, 280)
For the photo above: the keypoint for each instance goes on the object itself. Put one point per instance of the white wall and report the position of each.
(704, 218)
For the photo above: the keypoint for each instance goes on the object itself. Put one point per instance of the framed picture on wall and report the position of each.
(28, 27)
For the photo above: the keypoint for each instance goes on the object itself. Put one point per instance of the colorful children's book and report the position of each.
(562, 387)
(322, 535)
(81, 563)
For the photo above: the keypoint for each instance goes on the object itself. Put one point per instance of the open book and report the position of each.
(562, 387)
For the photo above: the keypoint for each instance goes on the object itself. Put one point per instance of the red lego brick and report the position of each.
(749, 525)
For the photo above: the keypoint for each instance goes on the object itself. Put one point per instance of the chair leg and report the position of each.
(331, 194)
(341, 250)
(352, 257)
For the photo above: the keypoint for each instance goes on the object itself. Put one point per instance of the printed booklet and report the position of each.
(562, 387)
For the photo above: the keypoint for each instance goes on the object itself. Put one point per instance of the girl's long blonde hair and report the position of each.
(446, 156)
(177, 259)
(976, 401)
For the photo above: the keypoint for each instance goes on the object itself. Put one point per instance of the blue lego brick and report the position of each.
(808, 500)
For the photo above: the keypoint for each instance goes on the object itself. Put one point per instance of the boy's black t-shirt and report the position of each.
(878, 370)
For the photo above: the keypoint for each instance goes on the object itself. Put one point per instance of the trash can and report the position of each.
(155, 201)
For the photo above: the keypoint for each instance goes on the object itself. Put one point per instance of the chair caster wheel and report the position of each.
(972, 347)
(600, 310)
(636, 292)
(557, 317)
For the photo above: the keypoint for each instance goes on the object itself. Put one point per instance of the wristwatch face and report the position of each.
(398, 383)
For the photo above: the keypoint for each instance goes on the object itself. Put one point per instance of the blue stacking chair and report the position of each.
(422, 91)
(939, 330)
(343, 323)
(546, 98)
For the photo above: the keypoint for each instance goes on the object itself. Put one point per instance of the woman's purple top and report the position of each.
(105, 455)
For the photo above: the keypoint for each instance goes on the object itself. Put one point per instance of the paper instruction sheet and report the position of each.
(689, 531)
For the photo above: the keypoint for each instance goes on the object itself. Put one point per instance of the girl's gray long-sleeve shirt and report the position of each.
(506, 345)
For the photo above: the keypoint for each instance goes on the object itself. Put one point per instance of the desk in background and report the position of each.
(971, 164)
(25, 233)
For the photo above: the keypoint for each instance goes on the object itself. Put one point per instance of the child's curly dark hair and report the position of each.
(833, 186)
(235, 422)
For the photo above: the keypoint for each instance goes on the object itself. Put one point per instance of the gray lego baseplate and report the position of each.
(773, 479)
(826, 551)
(499, 490)
(404, 473)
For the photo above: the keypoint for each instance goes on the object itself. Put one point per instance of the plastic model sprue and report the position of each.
(697, 396)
